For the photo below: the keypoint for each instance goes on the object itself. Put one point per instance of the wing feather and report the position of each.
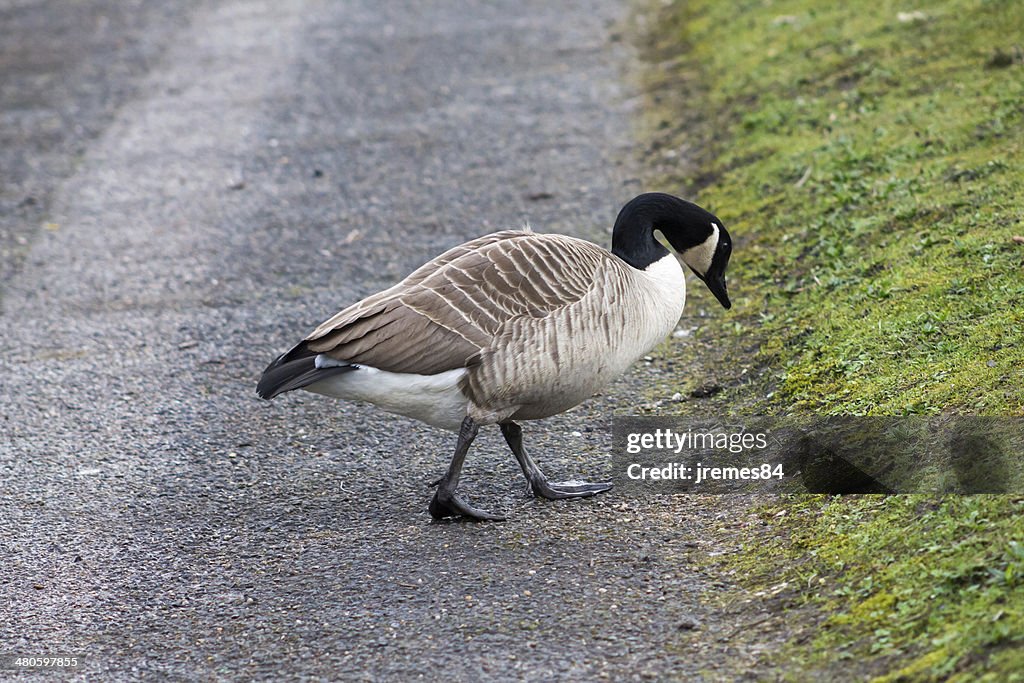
(452, 310)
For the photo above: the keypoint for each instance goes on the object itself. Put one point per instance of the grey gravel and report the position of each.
(209, 181)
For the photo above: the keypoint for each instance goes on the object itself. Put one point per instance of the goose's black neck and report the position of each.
(683, 223)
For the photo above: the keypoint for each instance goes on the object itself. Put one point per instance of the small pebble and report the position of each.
(688, 624)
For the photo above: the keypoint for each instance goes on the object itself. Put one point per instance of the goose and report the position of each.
(512, 326)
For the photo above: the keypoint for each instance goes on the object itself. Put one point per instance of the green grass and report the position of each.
(867, 158)
(911, 588)
(870, 170)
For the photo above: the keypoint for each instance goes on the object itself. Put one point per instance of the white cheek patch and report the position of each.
(699, 257)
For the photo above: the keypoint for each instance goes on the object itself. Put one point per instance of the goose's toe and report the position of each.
(447, 504)
(558, 490)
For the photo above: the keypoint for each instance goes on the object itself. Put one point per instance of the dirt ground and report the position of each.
(187, 188)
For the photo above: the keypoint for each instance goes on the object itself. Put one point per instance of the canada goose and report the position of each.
(512, 326)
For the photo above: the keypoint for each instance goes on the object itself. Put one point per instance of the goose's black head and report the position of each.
(698, 235)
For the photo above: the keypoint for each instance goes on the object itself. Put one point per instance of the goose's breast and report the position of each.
(549, 365)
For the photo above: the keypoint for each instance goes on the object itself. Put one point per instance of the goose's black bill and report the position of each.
(716, 283)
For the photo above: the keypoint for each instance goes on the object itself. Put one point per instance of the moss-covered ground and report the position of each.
(867, 158)
(868, 161)
(890, 588)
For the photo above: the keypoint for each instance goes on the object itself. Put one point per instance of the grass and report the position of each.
(867, 159)
(901, 588)
(868, 163)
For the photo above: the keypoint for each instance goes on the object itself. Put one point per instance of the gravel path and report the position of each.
(188, 187)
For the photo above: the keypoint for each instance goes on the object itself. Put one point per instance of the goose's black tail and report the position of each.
(294, 370)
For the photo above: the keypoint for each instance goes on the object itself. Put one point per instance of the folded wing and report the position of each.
(448, 312)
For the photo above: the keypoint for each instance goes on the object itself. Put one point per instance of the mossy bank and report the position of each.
(868, 161)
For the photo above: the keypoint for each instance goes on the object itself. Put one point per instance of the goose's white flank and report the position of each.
(512, 326)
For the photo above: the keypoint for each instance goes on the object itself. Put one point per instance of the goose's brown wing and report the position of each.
(448, 312)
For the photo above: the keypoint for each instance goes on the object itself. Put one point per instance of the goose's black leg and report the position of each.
(446, 502)
(539, 484)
